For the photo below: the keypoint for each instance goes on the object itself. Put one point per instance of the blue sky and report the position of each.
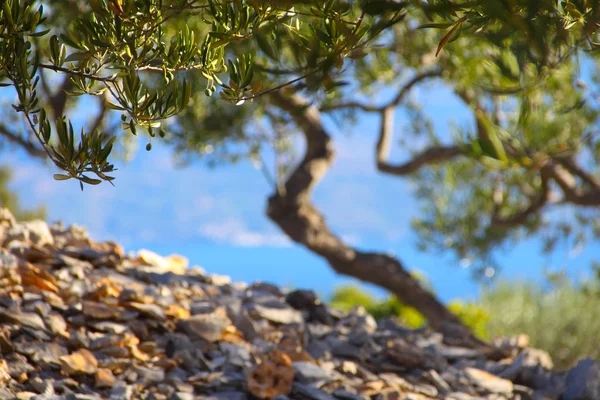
(215, 217)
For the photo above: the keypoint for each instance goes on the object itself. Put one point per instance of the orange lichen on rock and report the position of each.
(82, 361)
(37, 277)
(272, 377)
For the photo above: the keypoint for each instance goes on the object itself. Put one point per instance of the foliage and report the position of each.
(11, 201)
(473, 315)
(563, 319)
(134, 55)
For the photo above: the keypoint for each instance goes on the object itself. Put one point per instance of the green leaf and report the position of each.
(435, 25)
(89, 180)
(448, 36)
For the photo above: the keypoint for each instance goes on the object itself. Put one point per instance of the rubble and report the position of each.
(81, 320)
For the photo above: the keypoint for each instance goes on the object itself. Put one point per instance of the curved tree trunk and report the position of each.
(293, 211)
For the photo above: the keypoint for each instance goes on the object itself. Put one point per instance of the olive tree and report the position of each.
(224, 79)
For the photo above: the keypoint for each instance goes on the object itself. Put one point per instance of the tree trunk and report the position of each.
(292, 210)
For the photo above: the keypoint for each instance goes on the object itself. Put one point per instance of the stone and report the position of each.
(488, 381)
(149, 375)
(182, 396)
(309, 373)
(209, 327)
(583, 381)
(173, 263)
(42, 386)
(57, 324)
(97, 310)
(29, 319)
(236, 354)
(218, 280)
(278, 312)
(47, 353)
(310, 393)
(346, 395)
(104, 378)
(82, 361)
(527, 359)
(149, 310)
(39, 232)
(302, 299)
(4, 373)
(7, 218)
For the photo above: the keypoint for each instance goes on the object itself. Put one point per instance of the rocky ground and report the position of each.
(82, 320)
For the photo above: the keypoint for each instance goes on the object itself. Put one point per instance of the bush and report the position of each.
(346, 297)
(564, 320)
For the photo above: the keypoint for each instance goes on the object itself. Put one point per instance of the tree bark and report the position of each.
(292, 210)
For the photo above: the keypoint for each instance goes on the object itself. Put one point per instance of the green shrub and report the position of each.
(472, 315)
(564, 320)
(346, 297)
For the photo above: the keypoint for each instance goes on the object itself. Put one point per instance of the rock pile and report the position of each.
(82, 320)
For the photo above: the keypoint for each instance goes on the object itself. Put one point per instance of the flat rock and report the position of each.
(279, 313)
(97, 310)
(149, 310)
(489, 381)
(82, 361)
(209, 327)
(310, 393)
(583, 381)
(28, 319)
(307, 372)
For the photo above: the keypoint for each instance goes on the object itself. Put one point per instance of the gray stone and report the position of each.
(527, 359)
(149, 375)
(121, 391)
(265, 288)
(346, 395)
(279, 313)
(209, 327)
(583, 381)
(42, 386)
(236, 354)
(307, 372)
(47, 353)
(310, 392)
(202, 307)
(29, 319)
(149, 310)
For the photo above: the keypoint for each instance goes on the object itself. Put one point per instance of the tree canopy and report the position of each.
(225, 79)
